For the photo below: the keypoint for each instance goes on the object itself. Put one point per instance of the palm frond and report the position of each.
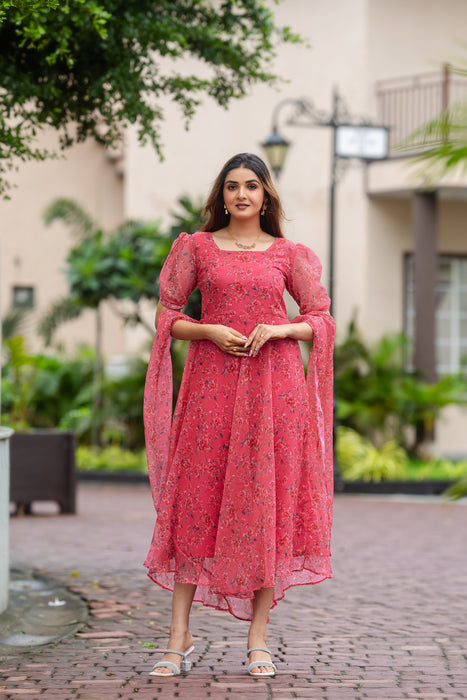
(61, 311)
(73, 215)
(190, 217)
(441, 144)
(13, 322)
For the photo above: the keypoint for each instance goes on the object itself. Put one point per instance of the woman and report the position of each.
(242, 477)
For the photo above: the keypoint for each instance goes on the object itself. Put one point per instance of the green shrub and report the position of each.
(436, 469)
(457, 490)
(358, 459)
(111, 459)
(78, 420)
(53, 391)
(39, 389)
(380, 399)
(122, 409)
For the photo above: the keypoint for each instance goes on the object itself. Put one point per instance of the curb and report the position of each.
(113, 477)
(411, 488)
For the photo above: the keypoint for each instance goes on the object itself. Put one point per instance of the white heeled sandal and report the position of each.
(256, 664)
(185, 665)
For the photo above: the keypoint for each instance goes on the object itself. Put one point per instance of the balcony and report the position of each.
(405, 104)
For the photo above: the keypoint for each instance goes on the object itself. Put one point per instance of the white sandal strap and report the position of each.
(257, 649)
(165, 664)
(256, 664)
(174, 651)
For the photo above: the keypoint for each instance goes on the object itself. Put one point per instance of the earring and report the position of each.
(263, 209)
(226, 210)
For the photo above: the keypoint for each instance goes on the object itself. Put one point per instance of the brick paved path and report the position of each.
(391, 624)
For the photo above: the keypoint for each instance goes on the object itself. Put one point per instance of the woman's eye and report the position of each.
(230, 187)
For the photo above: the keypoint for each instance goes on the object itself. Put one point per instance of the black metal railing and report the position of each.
(406, 104)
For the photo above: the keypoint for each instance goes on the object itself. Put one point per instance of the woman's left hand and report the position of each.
(261, 334)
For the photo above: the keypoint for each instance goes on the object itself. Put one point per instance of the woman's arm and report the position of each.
(183, 330)
(227, 339)
(298, 331)
(264, 332)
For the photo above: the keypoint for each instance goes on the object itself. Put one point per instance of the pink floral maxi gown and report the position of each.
(242, 475)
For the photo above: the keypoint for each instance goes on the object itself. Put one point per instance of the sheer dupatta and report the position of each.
(177, 281)
(304, 285)
(158, 397)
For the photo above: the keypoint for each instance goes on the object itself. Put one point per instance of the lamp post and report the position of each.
(352, 138)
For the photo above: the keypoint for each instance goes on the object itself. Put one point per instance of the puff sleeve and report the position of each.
(178, 275)
(303, 283)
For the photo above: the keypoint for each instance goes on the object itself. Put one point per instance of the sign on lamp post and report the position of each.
(365, 142)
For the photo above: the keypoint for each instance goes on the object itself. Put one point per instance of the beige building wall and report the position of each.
(406, 37)
(389, 237)
(34, 254)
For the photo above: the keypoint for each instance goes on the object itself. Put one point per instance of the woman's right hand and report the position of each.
(227, 339)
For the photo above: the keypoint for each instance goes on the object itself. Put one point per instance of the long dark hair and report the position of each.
(214, 210)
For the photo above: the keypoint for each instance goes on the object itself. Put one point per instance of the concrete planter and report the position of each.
(43, 469)
(5, 436)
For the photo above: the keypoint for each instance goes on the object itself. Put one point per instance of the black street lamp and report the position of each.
(352, 138)
(276, 149)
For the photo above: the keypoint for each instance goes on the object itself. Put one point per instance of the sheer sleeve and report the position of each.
(304, 285)
(178, 275)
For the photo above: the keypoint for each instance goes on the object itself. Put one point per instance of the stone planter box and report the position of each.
(43, 469)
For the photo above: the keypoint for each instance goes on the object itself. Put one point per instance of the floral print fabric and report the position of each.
(242, 475)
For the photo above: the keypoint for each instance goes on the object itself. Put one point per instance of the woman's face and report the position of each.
(243, 194)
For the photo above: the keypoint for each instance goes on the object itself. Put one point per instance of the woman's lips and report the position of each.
(241, 206)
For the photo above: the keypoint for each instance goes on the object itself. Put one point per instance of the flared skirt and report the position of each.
(244, 504)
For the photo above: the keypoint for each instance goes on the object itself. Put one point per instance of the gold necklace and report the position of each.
(244, 246)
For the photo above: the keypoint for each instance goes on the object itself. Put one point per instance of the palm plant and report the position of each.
(123, 265)
(82, 228)
(109, 267)
(70, 307)
(189, 218)
(13, 322)
(380, 399)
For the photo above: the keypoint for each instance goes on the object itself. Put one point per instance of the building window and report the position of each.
(451, 312)
(23, 297)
